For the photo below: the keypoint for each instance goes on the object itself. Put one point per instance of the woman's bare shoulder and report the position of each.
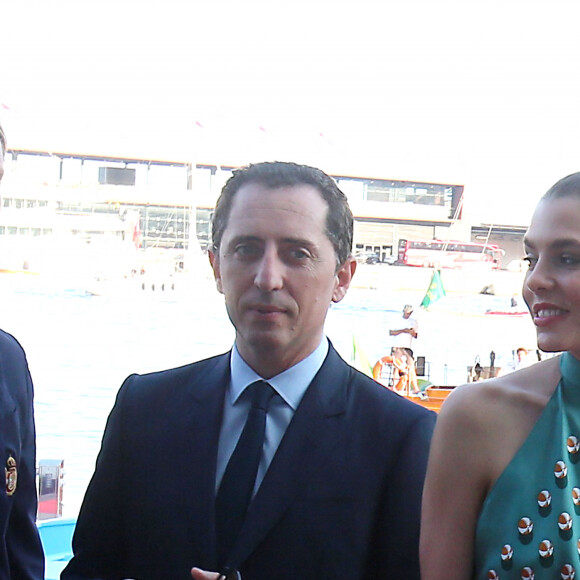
(497, 415)
(527, 390)
(492, 418)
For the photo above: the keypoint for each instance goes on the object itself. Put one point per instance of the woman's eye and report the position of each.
(569, 260)
(531, 260)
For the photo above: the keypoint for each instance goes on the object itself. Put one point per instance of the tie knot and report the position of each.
(261, 392)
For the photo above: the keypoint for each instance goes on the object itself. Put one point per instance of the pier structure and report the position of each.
(162, 205)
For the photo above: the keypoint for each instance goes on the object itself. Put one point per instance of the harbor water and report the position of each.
(80, 347)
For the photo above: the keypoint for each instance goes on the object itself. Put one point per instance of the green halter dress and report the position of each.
(529, 526)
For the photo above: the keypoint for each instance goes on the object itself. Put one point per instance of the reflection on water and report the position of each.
(80, 348)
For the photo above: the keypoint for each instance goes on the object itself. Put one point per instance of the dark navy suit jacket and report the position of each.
(341, 499)
(21, 555)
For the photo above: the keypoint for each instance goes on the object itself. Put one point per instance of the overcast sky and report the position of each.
(485, 94)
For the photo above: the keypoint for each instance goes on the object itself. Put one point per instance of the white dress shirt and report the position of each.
(290, 387)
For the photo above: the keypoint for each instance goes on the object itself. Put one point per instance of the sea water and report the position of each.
(81, 347)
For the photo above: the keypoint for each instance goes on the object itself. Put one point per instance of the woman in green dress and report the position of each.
(502, 494)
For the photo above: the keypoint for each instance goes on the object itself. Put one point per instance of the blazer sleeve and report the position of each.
(22, 541)
(395, 549)
(98, 538)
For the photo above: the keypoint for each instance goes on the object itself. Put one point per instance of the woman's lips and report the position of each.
(546, 314)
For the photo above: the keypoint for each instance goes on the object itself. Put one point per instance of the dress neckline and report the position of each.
(570, 369)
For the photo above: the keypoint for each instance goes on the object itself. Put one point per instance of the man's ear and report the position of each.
(215, 266)
(343, 279)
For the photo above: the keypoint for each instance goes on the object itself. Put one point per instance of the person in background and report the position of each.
(405, 335)
(522, 360)
(400, 378)
(407, 330)
(503, 484)
(276, 460)
(21, 555)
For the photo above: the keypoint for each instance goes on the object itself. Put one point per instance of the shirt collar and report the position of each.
(290, 384)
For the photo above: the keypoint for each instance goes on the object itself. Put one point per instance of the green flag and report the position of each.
(360, 359)
(435, 290)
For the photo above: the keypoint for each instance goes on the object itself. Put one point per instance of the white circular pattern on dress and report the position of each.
(546, 548)
(578, 547)
(565, 521)
(544, 498)
(492, 575)
(525, 526)
(507, 553)
(527, 573)
(568, 572)
(560, 470)
(573, 444)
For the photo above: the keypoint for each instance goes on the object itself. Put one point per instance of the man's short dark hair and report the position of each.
(275, 174)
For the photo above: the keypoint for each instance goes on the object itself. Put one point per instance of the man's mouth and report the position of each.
(266, 309)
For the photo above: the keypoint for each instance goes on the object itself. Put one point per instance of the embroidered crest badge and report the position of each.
(11, 475)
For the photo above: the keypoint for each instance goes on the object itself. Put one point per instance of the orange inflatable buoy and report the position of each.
(398, 365)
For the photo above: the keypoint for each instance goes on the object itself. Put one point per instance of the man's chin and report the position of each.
(269, 343)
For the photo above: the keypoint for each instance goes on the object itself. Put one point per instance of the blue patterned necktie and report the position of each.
(237, 485)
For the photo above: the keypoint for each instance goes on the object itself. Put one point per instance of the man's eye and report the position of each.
(245, 250)
(299, 254)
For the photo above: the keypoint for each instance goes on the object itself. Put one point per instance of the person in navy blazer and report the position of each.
(341, 496)
(21, 555)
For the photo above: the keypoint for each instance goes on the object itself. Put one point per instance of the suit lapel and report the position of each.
(316, 428)
(208, 395)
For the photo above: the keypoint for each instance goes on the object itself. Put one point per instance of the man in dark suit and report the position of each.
(334, 490)
(21, 555)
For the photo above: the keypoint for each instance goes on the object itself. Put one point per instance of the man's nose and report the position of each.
(270, 271)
